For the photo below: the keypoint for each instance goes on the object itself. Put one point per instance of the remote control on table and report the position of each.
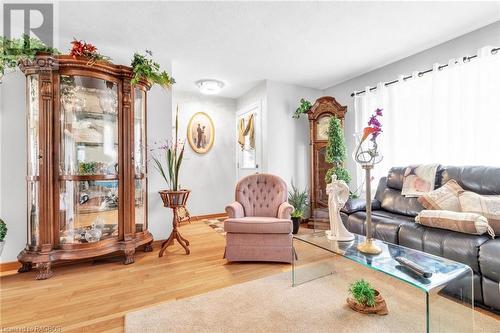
(414, 267)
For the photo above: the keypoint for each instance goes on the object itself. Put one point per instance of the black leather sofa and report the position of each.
(393, 221)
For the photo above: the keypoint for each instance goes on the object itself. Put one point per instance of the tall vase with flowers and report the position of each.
(367, 155)
(167, 160)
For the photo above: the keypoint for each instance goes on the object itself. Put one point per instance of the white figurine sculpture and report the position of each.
(338, 194)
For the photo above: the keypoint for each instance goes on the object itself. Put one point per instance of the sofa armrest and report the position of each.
(235, 210)
(357, 205)
(285, 211)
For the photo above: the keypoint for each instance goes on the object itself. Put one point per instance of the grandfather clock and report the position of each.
(323, 109)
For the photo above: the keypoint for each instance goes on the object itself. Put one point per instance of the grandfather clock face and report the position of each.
(322, 128)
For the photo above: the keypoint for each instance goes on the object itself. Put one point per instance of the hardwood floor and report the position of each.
(93, 297)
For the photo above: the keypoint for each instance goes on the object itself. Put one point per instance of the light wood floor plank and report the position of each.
(94, 297)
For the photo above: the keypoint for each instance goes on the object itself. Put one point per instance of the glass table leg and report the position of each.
(305, 269)
(450, 308)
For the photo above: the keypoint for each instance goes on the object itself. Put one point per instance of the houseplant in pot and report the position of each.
(336, 154)
(303, 108)
(365, 299)
(298, 199)
(167, 161)
(3, 233)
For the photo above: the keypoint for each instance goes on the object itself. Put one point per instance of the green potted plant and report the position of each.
(3, 233)
(365, 299)
(167, 161)
(304, 107)
(298, 199)
(336, 153)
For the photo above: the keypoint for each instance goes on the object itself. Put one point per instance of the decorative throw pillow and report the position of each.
(467, 223)
(488, 206)
(443, 198)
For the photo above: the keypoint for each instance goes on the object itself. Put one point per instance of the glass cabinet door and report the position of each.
(33, 169)
(88, 160)
(140, 159)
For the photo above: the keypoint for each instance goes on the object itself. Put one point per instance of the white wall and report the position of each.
(210, 177)
(288, 138)
(285, 140)
(13, 160)
(257, 95)
(13, 164)
(159, 120)
(464, 45)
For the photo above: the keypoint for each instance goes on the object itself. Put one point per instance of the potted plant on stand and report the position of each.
(3, 233)
(168, 163)
(365, 299)
(298, 199)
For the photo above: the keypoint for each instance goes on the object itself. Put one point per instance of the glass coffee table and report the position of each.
(448, 277)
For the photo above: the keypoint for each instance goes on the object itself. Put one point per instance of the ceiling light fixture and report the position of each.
(210, 87)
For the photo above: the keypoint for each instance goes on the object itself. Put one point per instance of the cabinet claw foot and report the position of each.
(26, 267)
(44, 271)
(129, 257)
(148, 247)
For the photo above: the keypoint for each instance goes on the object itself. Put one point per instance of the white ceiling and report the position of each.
(313, 44)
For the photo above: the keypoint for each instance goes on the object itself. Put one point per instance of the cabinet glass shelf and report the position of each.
(89, 182)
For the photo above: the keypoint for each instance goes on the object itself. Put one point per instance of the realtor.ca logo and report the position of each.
(27, 28)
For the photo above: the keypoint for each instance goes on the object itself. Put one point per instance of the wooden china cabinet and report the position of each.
(319, 116)
(86, 172)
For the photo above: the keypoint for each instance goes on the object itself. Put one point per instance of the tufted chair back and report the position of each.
(261, 194)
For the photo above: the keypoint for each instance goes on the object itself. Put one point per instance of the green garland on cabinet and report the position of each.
(15, 51)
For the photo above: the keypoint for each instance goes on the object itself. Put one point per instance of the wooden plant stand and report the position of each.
(174, 200)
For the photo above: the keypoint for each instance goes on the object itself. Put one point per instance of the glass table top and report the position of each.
(443, 270)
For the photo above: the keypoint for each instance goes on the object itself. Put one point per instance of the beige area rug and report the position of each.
(272, 305)
(217, 225)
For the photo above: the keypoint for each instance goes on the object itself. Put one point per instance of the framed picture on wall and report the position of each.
(201, 132)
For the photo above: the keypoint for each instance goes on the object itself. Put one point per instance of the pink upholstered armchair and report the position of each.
(259, 226)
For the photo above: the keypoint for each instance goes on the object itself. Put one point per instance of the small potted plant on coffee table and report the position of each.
(3, 233)
(365, 299)
(298, 199)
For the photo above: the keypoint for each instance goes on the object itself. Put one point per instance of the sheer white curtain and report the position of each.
(449, 116)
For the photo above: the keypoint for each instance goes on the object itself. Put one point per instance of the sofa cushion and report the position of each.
(358, 204)
(394, 202)
(491, 293)
(443, 198)
(468, 223)
(391, 200)
(489, 260)
(395, 177)
(453, 245)
(385, 224)
(479, 179)
(489, 207)
(258, 225)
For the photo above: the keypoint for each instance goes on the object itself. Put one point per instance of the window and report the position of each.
(450, 116)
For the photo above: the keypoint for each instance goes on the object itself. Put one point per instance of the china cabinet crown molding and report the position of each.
(86, 174)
